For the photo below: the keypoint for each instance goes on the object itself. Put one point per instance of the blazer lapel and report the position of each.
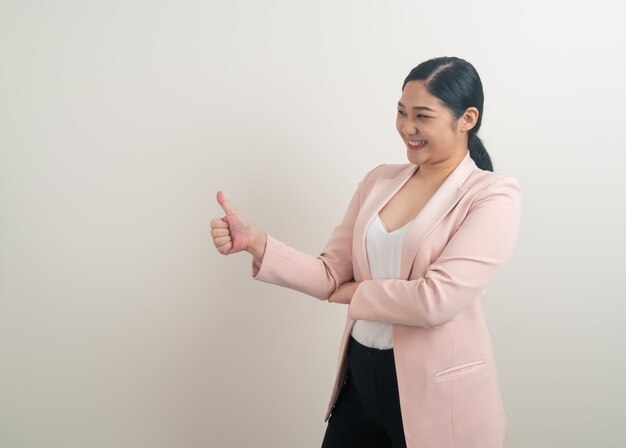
(444, 199)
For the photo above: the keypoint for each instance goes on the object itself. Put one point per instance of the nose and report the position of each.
(409, 128)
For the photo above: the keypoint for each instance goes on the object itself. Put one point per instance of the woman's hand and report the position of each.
(231, 233)
(344, 293)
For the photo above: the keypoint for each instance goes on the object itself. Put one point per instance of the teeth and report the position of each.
(417, 142)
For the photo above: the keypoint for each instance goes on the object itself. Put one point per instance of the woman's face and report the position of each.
(430, 132)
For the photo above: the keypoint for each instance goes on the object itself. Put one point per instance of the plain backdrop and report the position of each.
(120, 323)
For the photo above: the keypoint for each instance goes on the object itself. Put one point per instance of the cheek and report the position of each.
(440, 134)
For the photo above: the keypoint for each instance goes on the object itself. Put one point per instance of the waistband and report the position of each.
(355, 348)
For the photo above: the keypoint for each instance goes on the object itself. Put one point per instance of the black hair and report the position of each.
(456, 83)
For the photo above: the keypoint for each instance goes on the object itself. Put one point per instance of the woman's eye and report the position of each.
(418, 116)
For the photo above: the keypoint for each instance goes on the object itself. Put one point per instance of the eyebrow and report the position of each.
(418, 107)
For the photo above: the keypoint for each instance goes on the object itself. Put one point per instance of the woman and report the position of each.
(411, 258)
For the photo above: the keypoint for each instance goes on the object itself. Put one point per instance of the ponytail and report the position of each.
(478, 152)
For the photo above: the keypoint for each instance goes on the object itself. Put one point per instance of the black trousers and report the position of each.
(367, 411)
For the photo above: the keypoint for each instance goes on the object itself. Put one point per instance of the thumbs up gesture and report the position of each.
(231, 233)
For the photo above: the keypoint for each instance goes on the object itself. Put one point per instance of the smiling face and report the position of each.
(430, 132)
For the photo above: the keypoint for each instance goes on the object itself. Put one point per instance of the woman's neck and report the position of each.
(440, 171)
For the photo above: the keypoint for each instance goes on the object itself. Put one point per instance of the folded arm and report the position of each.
(481, 245)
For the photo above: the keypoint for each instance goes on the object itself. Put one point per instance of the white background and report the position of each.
(122, 326)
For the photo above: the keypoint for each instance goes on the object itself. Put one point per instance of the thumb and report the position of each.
(229, 209)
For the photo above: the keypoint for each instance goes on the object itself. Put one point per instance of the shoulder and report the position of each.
(479, 179)
(482, 184)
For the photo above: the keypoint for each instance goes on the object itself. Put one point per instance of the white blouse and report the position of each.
(384, 249)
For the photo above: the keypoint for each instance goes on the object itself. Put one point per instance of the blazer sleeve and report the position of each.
(480, 246)
(318, 276)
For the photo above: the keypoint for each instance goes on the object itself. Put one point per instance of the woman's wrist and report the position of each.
(257, 244)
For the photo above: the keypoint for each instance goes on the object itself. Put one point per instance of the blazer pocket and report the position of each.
(460, 370)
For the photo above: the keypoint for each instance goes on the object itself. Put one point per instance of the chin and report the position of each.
(413, 156)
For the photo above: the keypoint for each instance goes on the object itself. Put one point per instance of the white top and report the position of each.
(383, 253)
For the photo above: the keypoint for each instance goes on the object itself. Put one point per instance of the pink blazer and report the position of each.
(447, 378)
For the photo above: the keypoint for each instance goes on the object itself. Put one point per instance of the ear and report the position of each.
(468, 119)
